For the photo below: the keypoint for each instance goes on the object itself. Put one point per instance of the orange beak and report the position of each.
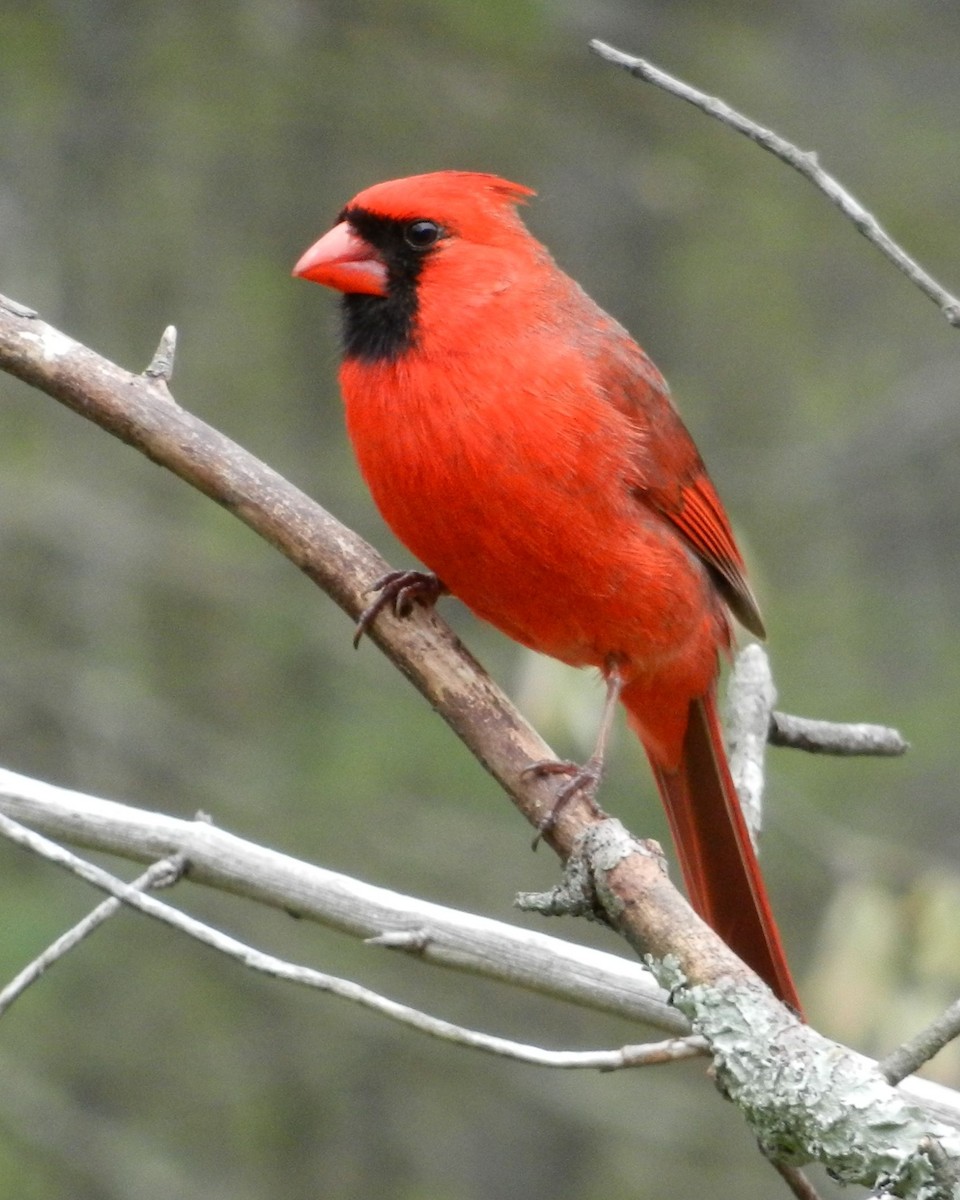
(343, 260)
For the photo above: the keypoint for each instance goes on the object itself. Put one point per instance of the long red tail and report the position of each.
(717, 858)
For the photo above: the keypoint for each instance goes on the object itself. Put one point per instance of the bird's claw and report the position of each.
(584, 780)
(398, 590)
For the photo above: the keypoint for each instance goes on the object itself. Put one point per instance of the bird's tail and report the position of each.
(716, 855)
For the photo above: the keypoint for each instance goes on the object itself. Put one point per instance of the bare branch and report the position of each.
(161, 365)
(829, 737)
(920, 1049)
(797, 1182)
(751, 696)
(268, 964)
(439, 936)
(803, 161)
(159, 875)
(752, 721)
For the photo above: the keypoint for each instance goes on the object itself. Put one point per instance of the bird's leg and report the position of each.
(585, 777)
(399, 590)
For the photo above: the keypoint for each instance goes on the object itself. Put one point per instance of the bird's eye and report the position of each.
(421, 235)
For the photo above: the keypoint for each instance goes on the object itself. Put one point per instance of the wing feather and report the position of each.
(671, 477)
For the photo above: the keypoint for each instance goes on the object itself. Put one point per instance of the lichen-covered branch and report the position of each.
(806, 1098)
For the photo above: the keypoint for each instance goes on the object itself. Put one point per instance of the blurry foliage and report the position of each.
(167, 163)
(889, 960)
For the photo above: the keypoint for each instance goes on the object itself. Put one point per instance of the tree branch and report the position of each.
(437, 935)
(158, 875)
(267, 964)
(920, 1049)
(831, 737)
(804, 161)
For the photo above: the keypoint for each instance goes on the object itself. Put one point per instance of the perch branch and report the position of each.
(139, 410)
(804, 161)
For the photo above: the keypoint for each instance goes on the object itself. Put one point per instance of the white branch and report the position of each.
(160, 874)
(750, 698)
(435, 933)
(345, 989)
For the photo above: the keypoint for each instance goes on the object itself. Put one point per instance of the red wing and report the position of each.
(702, 521)
(672, 479)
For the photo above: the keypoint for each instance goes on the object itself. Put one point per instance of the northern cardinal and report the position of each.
(522, 445)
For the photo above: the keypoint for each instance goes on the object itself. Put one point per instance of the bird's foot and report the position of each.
(584, 780)
(399, 590)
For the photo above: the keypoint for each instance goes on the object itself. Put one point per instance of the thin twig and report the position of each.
(796, 1181)
(441, 936)
(18, 309)
(161, 365)
(597, 1060)
(801, 160)
(829, 737)
(920, 1049)
(160, 874)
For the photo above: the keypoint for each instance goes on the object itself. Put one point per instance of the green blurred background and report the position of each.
(167, 163)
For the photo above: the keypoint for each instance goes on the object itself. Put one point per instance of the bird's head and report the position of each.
(457, 229)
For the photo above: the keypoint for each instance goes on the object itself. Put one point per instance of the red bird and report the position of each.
(523, 446)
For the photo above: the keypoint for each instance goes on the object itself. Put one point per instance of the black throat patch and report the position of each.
(381, 328)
